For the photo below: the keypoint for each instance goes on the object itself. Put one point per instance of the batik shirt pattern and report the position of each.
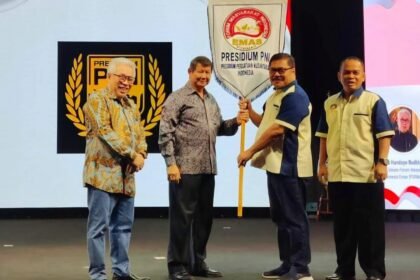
(114, 136)
(188, 131)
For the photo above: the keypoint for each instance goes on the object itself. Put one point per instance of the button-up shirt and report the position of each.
(114, 136)
(188, 129)
(352, 128)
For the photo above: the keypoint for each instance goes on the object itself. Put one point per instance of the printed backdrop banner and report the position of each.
(82, 69)
(244, 34)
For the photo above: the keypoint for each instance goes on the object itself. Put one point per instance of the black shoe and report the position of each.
(373, 278)
(180, 275)
(207, 272)
(336, 276)
(129, 277)
(275, 273)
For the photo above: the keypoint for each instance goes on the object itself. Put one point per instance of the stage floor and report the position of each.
(56, 249)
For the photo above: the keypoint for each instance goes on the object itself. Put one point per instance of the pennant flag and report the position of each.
(244, 34)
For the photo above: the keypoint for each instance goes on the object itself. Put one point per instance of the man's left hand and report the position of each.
(381, 171)
(138, 162)
(244, 157)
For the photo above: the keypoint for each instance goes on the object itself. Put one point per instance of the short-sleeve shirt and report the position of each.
(352, 128)
(290, 154)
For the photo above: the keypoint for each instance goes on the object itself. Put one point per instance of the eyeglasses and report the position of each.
(124, 78)
(279, 70)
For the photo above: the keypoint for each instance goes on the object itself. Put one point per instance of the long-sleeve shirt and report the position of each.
(188, 129)
(114, 136)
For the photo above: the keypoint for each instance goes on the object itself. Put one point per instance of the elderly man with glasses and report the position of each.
(115, 149)
(404, 140)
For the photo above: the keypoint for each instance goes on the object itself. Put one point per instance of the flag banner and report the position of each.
(244, 34)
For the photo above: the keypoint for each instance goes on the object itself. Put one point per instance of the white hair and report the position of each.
(404, 111)
(112, 66)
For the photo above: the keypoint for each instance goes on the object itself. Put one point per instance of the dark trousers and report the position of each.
(287, 205)
(190, 221)
(359, 225)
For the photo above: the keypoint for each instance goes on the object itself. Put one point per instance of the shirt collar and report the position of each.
(192, 90)
(286, 87)
(111, 95)
(355, 94)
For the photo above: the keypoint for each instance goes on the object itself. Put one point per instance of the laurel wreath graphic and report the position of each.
(157, 96)
(74, 87)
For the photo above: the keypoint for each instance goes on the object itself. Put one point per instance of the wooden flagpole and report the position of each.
(241, 172)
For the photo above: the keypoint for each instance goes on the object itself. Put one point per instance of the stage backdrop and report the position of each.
(54, 53)
(392, 42)
(37, 35)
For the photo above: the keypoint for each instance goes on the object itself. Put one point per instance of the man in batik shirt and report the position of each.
(115, 149)
(190, 123)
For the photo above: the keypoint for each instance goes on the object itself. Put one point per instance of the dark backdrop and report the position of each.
(323, 33)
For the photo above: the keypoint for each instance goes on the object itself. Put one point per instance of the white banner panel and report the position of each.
(244, 34)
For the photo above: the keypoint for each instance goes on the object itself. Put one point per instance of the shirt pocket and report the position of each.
(362, 120)
(360, 117)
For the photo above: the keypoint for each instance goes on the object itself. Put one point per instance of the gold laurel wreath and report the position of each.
(157, 96)
(74, 87)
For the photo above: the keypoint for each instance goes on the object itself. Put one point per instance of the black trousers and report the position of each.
(287, 206)
(359, 225)
(190, 221)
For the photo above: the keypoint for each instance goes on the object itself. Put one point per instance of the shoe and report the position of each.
(129, 277)
(302, 276)
(336, 276)
(275, 273)
(373, 278)
(207, 272)
(180, 275)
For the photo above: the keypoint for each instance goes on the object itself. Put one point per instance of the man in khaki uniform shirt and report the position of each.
(283, 149)
(355, 134)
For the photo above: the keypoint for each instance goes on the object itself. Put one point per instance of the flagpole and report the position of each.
(241, 172)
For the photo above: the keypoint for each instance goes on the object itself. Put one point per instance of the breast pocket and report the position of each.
(362, 120)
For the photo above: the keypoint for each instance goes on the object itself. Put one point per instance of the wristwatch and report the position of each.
(384, 161)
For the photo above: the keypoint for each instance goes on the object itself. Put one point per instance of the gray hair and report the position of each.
(112, 66)
(404, 111)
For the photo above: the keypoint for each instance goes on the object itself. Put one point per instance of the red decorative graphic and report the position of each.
(289, 16)
(394, 199)
(248, 22)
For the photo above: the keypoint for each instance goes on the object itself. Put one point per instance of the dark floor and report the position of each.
(241, 249)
